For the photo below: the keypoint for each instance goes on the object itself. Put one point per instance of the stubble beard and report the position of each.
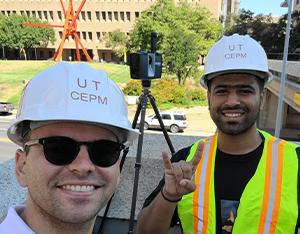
(235, 128)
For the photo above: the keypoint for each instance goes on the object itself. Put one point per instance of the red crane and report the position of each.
(70, 29)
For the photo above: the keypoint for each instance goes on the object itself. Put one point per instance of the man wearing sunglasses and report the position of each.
(72, 125)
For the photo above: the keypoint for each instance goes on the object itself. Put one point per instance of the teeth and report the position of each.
(79, 188)
(232, 115)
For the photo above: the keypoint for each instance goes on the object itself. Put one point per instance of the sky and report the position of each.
(264, 6)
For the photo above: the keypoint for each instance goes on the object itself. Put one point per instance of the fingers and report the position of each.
(198, 155)
(188, 185)
(166, 160)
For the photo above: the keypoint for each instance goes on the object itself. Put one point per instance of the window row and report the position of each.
(104, 16)
(87, 36)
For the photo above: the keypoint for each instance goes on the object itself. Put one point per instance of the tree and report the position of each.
(117, 41)
(270, 34)
(181, 53)
(185, 33)
(15, 36)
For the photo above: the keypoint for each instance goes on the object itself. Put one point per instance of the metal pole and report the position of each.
(224, 14)
(283, 72)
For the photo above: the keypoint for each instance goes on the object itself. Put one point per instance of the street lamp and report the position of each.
(286, 3)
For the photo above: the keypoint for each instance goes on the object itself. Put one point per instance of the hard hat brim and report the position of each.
(266, 76)
(125, 135)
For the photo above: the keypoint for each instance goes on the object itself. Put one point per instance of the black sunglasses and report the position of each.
(60, 150)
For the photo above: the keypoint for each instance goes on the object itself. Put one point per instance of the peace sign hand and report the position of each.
(179, 176)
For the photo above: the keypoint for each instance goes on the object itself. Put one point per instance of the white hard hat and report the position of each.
(72, 92)
(236, 53)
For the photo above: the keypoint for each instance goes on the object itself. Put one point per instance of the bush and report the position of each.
(167, 91)
(133, 88)
(198, 94)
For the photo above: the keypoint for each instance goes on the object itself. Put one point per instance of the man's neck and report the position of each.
(43, 223)
(241, 143)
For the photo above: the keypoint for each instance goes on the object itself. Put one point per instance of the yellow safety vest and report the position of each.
(269, 202)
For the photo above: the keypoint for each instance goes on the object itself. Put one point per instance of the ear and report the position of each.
(263, 96)
(20, 163)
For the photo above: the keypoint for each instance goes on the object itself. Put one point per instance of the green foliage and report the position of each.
(168, 91)
(14, 75)
(117, 41)
(15, 36)
(185, 33)
(133, 88)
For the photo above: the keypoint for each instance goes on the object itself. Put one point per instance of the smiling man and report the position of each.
(70, 155)
(242, 179)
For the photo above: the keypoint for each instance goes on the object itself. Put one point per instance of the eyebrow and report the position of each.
(242, 86)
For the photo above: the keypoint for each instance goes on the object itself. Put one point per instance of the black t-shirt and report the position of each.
(232, 173)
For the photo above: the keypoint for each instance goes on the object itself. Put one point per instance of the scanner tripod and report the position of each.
(141, 110)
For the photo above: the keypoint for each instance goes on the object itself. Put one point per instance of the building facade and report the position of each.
(96, 19)
(296, 5)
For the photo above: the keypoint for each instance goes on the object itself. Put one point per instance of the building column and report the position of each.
(95, 55)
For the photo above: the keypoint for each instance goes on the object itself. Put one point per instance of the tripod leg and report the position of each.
(100, 230)
(143, 102)
(152, 101)
(137, 113)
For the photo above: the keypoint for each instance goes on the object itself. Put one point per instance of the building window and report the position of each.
(98, 35)
(127, 15)
(78, 34)
(28, 13)
(60, 34)
(103, 15)
(45, 15)
(84, 35)
(116, 16)
(39, 14)
(33, 14)
(109, 16)
(90, 36)
(137, 14)
(51, 15)
(98, 15)
(122, 15)
(83, 15)
(8, 12)
(59, 15)
(41, 54)
(22, 13)
(89, 15)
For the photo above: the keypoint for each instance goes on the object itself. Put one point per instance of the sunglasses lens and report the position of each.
(60, 150)
(104, 153)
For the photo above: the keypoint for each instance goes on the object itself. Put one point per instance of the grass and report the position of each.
(15, 74)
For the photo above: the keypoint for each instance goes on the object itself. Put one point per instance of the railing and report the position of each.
(279, 56)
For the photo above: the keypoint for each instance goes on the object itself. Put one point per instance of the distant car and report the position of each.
(173, 121)
(6, 107)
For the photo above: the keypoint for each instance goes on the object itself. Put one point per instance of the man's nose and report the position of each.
(82, 164)
(232, 98)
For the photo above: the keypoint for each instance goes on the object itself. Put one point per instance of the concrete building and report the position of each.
(97, 18)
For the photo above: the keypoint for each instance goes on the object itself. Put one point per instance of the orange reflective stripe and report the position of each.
(268, 170)
(207, 184)
(272, 189)
(195, 196)
(277, 199)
